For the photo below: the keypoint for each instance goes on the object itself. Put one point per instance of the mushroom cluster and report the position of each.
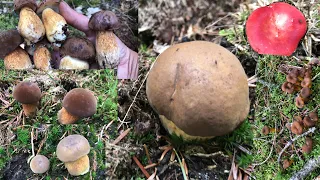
(276, 29)
(42, 32)
(73, 150)
(299, 80)
(300, 122)
(199, 89)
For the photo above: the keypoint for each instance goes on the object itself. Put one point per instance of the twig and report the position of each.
(122, 135)
(141, 166)
(32, 146)
(311, 165)
(105, 127)
(185, 177)
(147, 153)
(210, 155)
(311, 130)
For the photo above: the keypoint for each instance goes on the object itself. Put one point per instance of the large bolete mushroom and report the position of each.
(30, 25)
(78, 103)
(73, 151)
(199, 89)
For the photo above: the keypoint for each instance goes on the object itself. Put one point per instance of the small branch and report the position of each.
(32, 146)
(311, 130)
(122, 135)
(141, 166)
(311, 165)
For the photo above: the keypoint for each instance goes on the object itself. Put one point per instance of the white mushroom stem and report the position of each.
(73, 63)
(107, 49)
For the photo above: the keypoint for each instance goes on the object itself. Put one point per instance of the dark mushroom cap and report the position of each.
(265, 130)
(305, 92)
(307, 122)
(27, 92)
(307, 147)
(80, 102)
(104, 21)
(80, 48)
(313, 116)
(306, 82)
(299, 102)
(287, 87)
(292, 77)
(9, 41)
(52, 4)
(19, 4)
(296, 128)
(286, 163)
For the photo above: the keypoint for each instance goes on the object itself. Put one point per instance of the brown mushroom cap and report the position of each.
(307, 122)
(104, 21)
(286, 163)
(201, 87)
(305, 92)
(299, 102)
(39, 164)
(9, 41)
(307, 147)
(80, 102)
(72, 148)
(292, 77)
(296, 128)
(19, 4)
(265, 130)
(287, 87)
(313, 116)
(27, 92)
(80, 48)
(306, 82)
(52, 4)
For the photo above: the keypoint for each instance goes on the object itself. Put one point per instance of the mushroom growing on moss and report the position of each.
(107, 50)
(199, 89)
(307, 147)
(39, 164)
(78, 103)
(296, 128)
(73, 150)
(276, 29)
(28, 94)
(30, 25)
(287, 87)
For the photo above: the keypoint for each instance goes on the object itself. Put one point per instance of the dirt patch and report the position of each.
(17, 168)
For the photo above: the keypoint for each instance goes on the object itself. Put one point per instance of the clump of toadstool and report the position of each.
(78, 103)
(305, 121)
(29, 95)
(39, 164)
(73, 150)
(307, 147)
(199, 89)
(276, 29)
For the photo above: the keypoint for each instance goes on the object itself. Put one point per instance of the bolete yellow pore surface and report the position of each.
(199, 89)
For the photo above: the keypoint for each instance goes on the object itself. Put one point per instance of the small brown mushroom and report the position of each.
(307, 147)
(286, 163)
(305, 93)
(299, 102)
(313, 116)
(296, 128)
(77, 103)
(28, 94)
(307, 122)
(292, 77)
(308, 72)
(306, 82)
(107, 50)
(298, 118)
(265, 130)
(39, 164)
(287, 87)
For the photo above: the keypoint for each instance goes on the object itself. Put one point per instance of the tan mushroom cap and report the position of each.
(78, 167)
(201, 87)
(27, 92)
(72, 148)
(39, 164)
(80, 102)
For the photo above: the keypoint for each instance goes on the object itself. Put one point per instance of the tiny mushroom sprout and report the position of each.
(29, 95)
(73, 150)
(55, 24)
(39, 164)
(276, 29)
(104, 22)
(78, 103)
(199, 89)
(30, 25)
(77, 53)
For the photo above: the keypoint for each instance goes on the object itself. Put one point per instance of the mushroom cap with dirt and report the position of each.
(29, 95)
(78, 103)
(9, 41)
(39, 164)
(107, 50)
(199, 89)
(72, 147)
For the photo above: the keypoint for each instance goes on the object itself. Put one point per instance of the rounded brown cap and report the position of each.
(305, 92)
(104, 21)
(296, 128)
(72, 148)
(80, 48)
(307, 147)
(287, 87)
(52, 4)
(201, 87)
(78, 167)
(27, 92)
(40, 164)
(19, 4)
(9, 41)
(265, 130)
(80, 102)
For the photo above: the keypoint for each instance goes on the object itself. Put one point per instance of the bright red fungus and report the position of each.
(276, 29)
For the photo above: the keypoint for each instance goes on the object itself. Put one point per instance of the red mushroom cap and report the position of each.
(276, 29)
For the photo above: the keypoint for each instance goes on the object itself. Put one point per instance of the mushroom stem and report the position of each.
(64, 117)
(107, 49)
(30, 109)
(78, 167)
